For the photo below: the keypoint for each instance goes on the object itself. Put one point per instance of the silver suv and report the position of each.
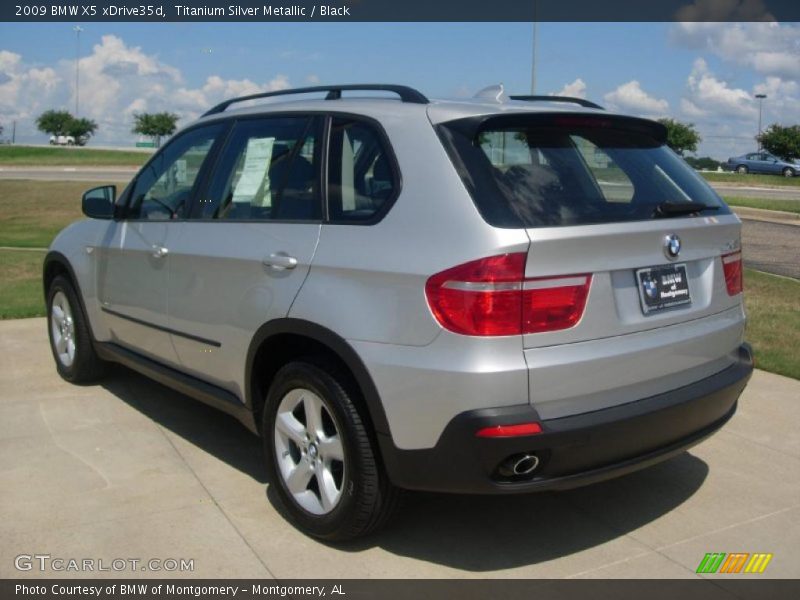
(496, 295)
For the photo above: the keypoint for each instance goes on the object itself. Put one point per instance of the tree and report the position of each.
(155, 125)
(54, 122)
(681, 137)
(61, 122)
(781, 141)
(81, 130)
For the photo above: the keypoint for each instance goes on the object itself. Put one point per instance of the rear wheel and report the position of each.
(319, 455)
(742, 169)
(70, 340)
(788, 172)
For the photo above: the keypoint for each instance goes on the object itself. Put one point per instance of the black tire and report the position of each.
(85, 366)
(788, 172)
(742, 170)
(368, 498)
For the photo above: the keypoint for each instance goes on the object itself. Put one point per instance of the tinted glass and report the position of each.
(360, 175)
(547, 173)
(164, 187)
(268, 171)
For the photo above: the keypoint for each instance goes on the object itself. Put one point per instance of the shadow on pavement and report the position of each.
(487, 533)
(209, 429)
(474, 533)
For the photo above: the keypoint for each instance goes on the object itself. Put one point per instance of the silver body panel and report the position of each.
(221, 289)
(365, 283)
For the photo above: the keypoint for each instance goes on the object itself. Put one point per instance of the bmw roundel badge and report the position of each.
(672, 246)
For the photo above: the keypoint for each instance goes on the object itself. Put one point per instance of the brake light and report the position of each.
(732, 267)
(491, 297)
(498, 431)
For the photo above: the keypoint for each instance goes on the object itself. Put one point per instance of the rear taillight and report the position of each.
(732, 267)
(491, 296)
(554, 303)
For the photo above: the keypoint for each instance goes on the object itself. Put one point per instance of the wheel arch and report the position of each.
(56, 264)
(294, 338)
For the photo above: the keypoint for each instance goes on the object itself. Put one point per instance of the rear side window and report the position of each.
(269, 171)
(361, 177)
(544, 170)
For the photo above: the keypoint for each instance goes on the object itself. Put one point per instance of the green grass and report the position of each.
(792, 206)
(21, 284)
(69, 156)
(33, 212)
(773, 327)
(750, 179)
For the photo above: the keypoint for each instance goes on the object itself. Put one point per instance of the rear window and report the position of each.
(544, 170)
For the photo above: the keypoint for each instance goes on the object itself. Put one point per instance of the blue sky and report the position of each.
(704, 73)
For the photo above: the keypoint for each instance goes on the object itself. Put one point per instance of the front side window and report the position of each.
(361, 180)
(163, 188)
(268, 171)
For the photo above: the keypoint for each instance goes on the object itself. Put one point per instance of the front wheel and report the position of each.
(742, 170)
(70, 340)
(319, 455)
(787, 172)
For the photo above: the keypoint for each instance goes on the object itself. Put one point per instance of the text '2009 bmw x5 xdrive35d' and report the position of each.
(490, 296)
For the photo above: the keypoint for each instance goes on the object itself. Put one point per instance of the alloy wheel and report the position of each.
(62, 327)
(309, 451)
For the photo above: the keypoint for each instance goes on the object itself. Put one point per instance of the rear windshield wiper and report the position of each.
(676, 209)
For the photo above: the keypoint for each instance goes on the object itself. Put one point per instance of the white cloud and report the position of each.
(576, 89)
(767, 48)
(18, 82)
(727, 116)
(708, 95)
(116, 80)
(630, 97)
(312, 79)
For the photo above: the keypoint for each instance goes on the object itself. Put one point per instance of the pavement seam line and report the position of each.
(628, 559)
(214, 500)
(763, 445)
(622, 533)
(727, 527)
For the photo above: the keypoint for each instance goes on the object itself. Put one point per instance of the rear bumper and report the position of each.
(576, 450)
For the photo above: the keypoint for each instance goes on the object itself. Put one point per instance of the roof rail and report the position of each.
(407, 94)
(580, 101)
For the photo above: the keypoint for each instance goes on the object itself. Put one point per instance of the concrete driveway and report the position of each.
(130, 469)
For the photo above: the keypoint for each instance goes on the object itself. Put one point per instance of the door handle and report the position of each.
(280, 261)
(159, 251)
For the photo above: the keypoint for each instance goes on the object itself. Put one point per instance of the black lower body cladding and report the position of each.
(571, 451)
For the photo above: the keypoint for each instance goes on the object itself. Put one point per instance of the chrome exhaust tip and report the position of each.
(518, 465)
(525, 464)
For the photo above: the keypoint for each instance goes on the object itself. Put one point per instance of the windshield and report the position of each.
(550, 172)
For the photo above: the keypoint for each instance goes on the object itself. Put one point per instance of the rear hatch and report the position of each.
(634, 264)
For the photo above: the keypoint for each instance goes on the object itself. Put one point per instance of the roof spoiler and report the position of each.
(580, 101)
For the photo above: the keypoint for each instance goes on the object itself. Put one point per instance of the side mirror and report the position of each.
(98, 203)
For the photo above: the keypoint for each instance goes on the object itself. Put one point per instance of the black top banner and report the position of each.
(399, 10)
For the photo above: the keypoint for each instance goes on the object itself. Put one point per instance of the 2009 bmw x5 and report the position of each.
(487, 296)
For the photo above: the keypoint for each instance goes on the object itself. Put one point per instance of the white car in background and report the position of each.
(62, 140)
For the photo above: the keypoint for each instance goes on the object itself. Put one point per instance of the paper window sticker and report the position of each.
(254, 179)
